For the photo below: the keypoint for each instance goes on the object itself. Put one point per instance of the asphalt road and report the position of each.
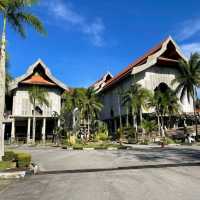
(168, 183)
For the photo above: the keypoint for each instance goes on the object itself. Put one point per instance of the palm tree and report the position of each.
(92, 106)
(149, 126)
(138, 98)
(144, 96)
(188, 80)
(129, 99)
(84, 100)
(173, 105)
(37, 96)
(119, 103)
(8, 75)
(165, 103)
(15, 13)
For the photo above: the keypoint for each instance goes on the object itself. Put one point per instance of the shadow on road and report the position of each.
(120, 168)
(154, 154)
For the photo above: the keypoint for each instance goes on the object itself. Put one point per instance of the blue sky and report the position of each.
(87, 38)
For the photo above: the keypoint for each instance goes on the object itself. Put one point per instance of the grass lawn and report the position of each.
(5, 165)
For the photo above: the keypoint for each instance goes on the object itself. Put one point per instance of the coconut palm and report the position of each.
(91, 106)
(129, 99)
(188, 80)
(144, 96)
(149, 127)
(119, 94)
(14, 12)
(138, 98)
(8, 75)
(173, 107)
(165, 103)
(37, 96)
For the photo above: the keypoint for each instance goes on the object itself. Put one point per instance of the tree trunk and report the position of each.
(2, 86)
(135, 125)
(127, 118)
(194, 108)
(141, 117)
(119, 108)
(135, 122)
(141, 122)
(88, 136)
(159, 128)
(34, 124)
(195, 116)
(162, 126)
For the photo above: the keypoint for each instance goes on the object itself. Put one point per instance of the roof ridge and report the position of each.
(136, 62)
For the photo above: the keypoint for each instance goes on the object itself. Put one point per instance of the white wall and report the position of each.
(23, 107)
(158, 74)
(149, 79)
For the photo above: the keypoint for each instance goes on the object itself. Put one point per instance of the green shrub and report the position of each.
(9, 156)
(168, 140)
(145, 142)
(23, 160)
(79, 141)
(103, 136)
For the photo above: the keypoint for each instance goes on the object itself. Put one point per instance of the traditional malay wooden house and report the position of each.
(157, 68)
(19, 110)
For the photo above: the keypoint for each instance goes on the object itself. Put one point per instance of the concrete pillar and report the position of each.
(13, 131)
(29, 131)
(44, 130)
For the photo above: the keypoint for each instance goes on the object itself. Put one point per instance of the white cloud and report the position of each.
(190, 48)
(189, 28)
(94, 28)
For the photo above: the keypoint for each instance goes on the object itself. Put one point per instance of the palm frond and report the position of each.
(31, 20)
(16, 24)
(18, 15)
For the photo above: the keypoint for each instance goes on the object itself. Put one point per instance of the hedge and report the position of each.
(9, 156)
(23, 160)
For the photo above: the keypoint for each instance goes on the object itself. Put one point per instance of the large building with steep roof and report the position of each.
(19, 110)
(157, 68)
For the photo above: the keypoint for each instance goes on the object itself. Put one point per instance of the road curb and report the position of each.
(13, 175)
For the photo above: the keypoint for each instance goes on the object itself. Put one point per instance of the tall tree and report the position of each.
(92, 106)
(129, 99)
(38, 96)
(8, 75)
(72, 108)
(188, 80)
(86, 102)
(138, 98)
(15, 13)
(119, 94)
(165, 103)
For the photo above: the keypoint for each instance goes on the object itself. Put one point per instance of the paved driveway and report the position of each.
(55, 159)
(170, 183)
